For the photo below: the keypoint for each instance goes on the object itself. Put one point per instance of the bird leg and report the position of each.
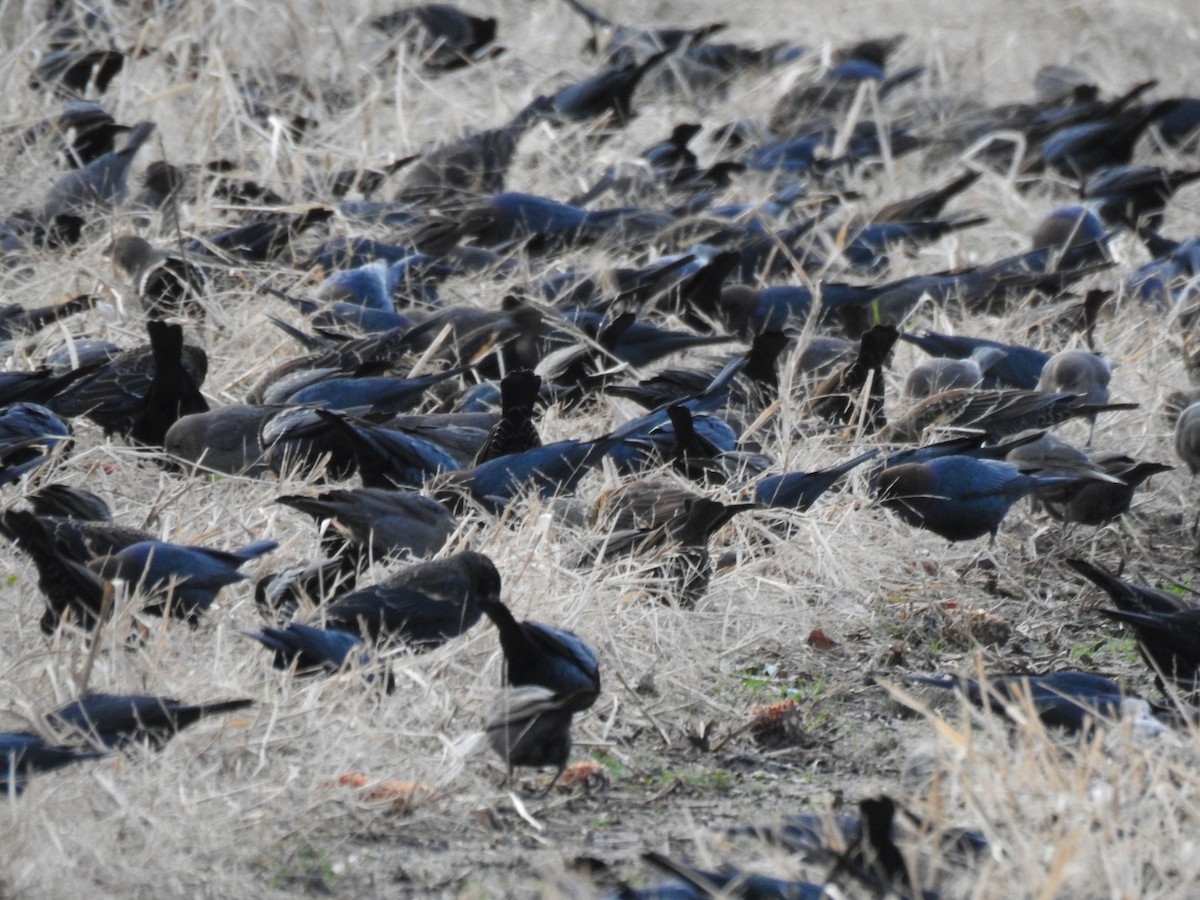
(541, 795)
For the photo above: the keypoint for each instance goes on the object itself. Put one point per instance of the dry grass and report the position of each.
(251, 806)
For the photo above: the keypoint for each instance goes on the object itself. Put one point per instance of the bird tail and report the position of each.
(138, 135)
(254, 549)
(519, 391)
(217, 707)
(962, 223)
(271, 638)
(876, 345)
(702, 518)
(592, 17)
(650, 62)
(1142, 471)
(166, 342)
(312, 506)
(933, 343)
(763, 355)
(1148, 621)
(800, 490)
(720, 384)
(1182, 178)
(702, 33)
(842, 468)
(957, 186)
(1091, 409)
(36, 319)
(896, 79)
(685, 873)
(700, 292)
(947, 682)
(1156, 244)
(305, 307)
(1117, 104)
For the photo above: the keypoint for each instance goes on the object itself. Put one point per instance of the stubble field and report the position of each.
(251, 805)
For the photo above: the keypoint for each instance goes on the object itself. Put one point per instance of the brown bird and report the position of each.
(470, 168)
(677, 546)
(942, 373)
(928, 205)
(223, 440)
(643, 504)
(1077, 372)
(100, 185)
(1099, 502)
(996, 412)
(167, 285)
(1187, 438)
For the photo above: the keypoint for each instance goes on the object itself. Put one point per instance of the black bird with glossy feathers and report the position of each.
(623, 44)
(1135, 196)
(182, 579)
(422, 606)
(311, 651)
(543, 655)
(174, 391)
(1066, 700)
(1168, 641)
(1128, 597)
(800, 490)
(29, 434)
(377, 523)
(17, 320)
(957, 497)
(71, 590)
(608, 91)
(443, 37)
(114, 396)
(110, 721)
(22, 754)
(69, 502)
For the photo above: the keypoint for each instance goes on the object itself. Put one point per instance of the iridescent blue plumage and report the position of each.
(958, 497)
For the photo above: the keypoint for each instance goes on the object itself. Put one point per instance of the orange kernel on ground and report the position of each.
(778, 725)
(766, 716)
(581, 773)
(819, 639)
(403, 795)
